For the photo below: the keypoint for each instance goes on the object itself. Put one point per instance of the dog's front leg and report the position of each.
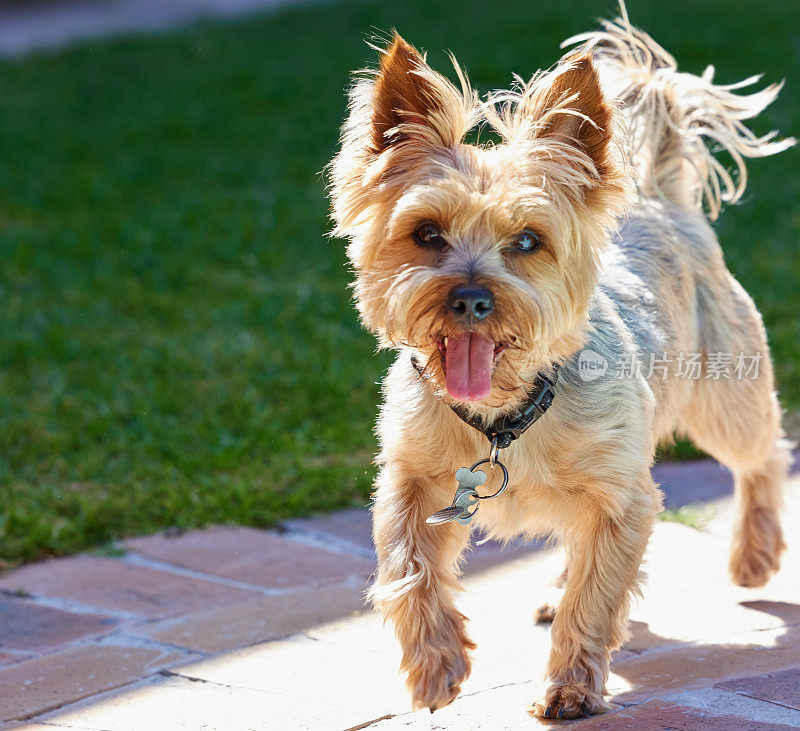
(605, 551)
(416, 583)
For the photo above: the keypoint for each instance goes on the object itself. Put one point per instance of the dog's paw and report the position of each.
(545, 614)
(754, 569)
(436, 682)
(756, 553)
(569, 701)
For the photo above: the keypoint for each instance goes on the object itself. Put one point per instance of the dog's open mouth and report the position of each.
(469, 360)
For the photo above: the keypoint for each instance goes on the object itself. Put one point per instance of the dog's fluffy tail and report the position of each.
(673, 117)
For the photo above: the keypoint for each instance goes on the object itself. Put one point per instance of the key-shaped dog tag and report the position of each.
(466, 496)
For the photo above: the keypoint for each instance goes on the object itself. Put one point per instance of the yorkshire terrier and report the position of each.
(493, 269)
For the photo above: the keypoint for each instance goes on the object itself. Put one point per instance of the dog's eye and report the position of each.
(428, 234)
(527, 241)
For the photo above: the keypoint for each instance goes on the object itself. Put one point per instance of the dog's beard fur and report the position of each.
(557, 172)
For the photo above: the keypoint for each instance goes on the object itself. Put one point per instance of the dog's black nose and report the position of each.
(468, 302)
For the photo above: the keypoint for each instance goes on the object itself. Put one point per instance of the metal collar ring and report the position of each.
(487, 460)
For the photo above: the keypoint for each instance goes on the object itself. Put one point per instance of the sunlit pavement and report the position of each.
(234, 628)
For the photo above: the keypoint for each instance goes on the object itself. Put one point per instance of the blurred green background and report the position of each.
(177, 344)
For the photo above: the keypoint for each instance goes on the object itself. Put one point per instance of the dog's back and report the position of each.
(665, 270)
(666, 274)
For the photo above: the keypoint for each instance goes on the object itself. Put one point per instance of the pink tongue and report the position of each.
(468, 363)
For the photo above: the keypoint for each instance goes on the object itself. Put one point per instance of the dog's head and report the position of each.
(480, 258)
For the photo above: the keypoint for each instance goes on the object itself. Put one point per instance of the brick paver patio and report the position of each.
(235, 628)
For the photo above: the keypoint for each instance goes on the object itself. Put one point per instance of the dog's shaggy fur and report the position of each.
(604, 158)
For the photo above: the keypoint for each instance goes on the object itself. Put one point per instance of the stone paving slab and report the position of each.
(502, 708)
(49, 682)
(28, 626)
(257, 620)
(670, 716)
(113, 585)
(700, 664)
(677, 605)
(782, 687)
(715, 700)
(254, 557)
(349, 529)
(699, 481)
(9, 658)
(171, 703)
(506, 714)
(350, 664)
(337, 687)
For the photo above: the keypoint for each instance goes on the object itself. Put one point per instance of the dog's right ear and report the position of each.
(413, 103)
(399, 117)
(403, 96)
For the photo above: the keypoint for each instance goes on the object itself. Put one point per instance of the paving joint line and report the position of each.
(706, 698)
(367, 724)
(745, 694)
(91, 698)
(73, 607)
(125, 639)
(22, 654)
(115, 637)
(137, 559)
(86, 641)
(98, 639)
(168, 673)
(28, 715)
(326, 541)
(163, 671)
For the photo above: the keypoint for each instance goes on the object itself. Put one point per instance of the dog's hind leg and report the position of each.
(758, 538)
(736, 419)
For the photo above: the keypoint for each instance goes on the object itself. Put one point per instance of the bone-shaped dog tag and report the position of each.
(466, 497)
(466, 478)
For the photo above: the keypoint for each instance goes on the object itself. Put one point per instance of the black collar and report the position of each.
(512, 426)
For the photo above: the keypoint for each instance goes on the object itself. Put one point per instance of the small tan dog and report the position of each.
(554, 266)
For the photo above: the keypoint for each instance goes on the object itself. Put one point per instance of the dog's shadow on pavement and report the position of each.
(671, 665)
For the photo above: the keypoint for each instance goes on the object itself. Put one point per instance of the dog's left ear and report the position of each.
(571, 106)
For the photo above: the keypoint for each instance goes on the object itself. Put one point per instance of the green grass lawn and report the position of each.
(177, 345)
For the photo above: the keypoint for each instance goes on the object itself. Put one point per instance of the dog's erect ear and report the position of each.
(570, 105)
(402, 115)
(589, 124)
(412, 102)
